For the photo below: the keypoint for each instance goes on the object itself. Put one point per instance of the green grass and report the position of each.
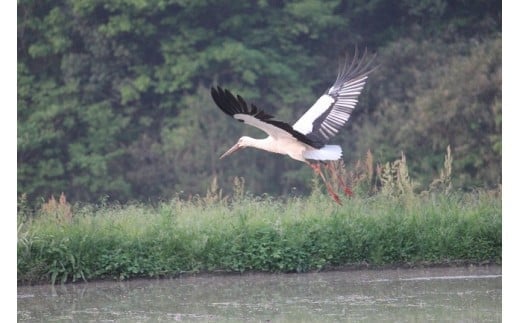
(296, 235)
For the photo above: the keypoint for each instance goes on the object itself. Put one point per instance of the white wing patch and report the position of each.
(304, 124)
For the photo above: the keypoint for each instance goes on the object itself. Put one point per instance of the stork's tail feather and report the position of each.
(327, 152)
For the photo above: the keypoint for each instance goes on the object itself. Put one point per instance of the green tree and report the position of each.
(421, 112)
(113, 97)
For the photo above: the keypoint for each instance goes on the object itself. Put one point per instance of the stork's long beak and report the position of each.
(231, 150)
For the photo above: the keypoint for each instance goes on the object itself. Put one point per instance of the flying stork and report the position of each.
(305, 140)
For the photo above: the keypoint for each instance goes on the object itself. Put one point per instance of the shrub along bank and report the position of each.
(64, 243)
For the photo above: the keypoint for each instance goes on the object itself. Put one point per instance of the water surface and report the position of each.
(400, 295)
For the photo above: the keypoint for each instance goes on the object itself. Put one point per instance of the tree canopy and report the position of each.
(114, 100)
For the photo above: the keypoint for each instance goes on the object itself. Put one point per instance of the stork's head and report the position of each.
(243, 142)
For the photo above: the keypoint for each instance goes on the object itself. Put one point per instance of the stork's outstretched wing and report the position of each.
(333, 109)
(236, 107)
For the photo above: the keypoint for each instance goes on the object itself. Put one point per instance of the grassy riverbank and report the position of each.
(89, 242)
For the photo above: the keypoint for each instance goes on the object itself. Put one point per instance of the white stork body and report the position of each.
(305, 140)
(288, 146)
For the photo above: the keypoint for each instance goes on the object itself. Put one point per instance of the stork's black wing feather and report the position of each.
(235, 105)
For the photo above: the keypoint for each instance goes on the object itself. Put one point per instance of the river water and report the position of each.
(458, 294)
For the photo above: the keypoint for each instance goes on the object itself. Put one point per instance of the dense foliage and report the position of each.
(113, 97)
(67, 243)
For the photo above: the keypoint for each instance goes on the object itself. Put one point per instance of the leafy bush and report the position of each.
(297, 235)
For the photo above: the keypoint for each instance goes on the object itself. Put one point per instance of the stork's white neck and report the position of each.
(264, 144)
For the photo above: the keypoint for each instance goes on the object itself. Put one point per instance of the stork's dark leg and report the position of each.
(333, 172)
(317, 170)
